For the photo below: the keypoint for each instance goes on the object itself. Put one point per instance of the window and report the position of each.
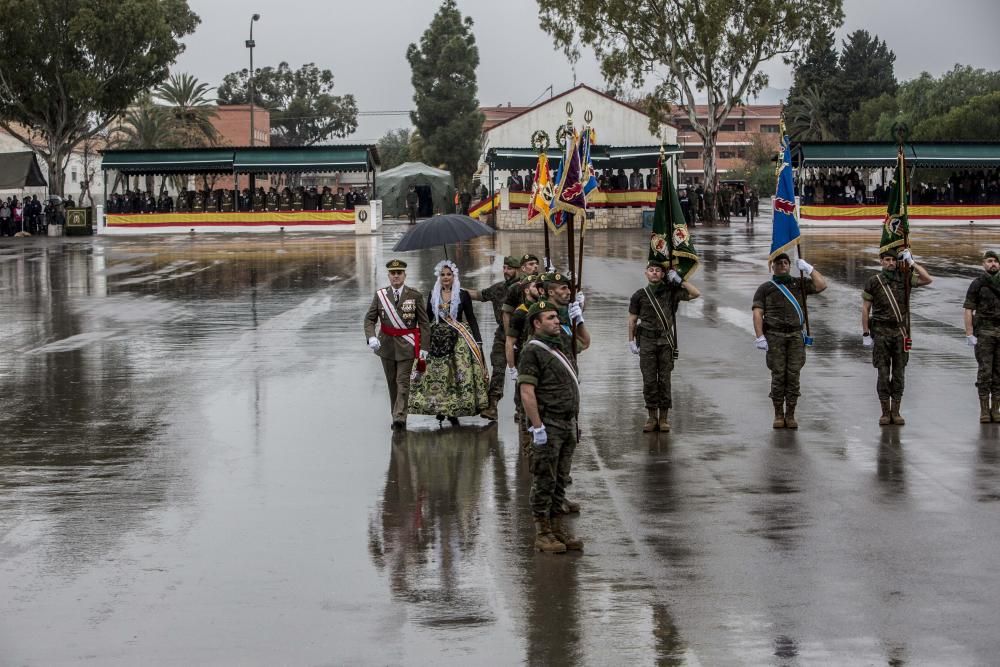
(690, 155)
(741, 126)
(72, 175)
(770, 129)
(726, 155)
(728, 127)
(741, 152)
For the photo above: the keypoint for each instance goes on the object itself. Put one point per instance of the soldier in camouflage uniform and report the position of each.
(651, 335)
(883, 324)
(550, 393)
(515, 293)
(779, 330)
(497, 294)
(982, 331)
(517, 334)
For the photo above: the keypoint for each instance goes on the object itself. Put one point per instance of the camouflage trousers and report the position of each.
(786, 355)
(656, 361)
(550, 467)
(889, 359)
(498, 365)
(988, 356)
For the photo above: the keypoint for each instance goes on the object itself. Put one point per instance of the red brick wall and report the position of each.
(232, 122)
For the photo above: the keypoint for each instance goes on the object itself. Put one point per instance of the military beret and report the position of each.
(887, 253)
(991, 253)
(783, 256)
(653, 264)
(540, 307)
(530, 279)
(528, 258)
(555, 277)
(395, 265)
(512, 262)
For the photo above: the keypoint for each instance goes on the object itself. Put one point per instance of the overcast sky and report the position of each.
(364, 44)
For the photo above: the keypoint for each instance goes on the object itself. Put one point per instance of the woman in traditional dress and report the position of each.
(454, 384)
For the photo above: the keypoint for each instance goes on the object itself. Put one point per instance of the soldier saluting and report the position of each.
(778, 325)
(982, 330)
(403, 323)
(651, 335)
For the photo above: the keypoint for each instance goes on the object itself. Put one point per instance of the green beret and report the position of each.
(653, 264)
(555, 277)
(530, 279)
(528, 258)
(887, 253)
(990, 253)
(783, 256)
(395, 265)
(512, 262)
(540, 307)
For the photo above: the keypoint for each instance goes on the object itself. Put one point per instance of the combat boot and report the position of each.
(650, 424)
(995, 409)
(491, 411)
(897, 418)
(561, 532)
(886, 418)
(790, 416)
(984, 410)
(664, 421)
(779, 414)
(545, 540)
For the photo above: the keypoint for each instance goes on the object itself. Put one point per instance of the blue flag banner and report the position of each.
(785, 229)
(589, 175)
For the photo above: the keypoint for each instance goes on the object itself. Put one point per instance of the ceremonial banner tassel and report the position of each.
(670, 240)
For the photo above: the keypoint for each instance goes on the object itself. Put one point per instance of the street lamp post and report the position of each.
(250, 44)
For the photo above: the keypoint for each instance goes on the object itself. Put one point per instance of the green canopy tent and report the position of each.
(20, 170)
(435, 187)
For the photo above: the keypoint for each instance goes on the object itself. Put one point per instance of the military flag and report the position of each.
(568, 196)
(785, 228)
(671, 240)
(589, 175)
(896, 228)
(541, 192)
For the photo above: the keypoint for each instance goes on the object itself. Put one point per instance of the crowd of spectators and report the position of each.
(607, 180)
(30, 215)
(224, 201)
(847, 187)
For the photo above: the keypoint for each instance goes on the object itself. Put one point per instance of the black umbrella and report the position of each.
(442, 230)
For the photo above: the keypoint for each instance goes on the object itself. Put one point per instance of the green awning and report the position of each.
(603, 157)
(944, 155)
(312, 158)
(190, 161)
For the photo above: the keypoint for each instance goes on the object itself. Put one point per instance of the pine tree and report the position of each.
(447, 113)
(865, 72)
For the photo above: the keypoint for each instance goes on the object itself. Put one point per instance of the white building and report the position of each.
(615, 123)
(75, 170)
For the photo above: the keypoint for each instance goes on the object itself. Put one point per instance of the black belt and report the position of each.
(781, 328)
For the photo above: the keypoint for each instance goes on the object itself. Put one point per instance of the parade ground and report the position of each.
(197, 468)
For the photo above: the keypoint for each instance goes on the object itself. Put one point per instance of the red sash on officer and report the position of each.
(411, 336)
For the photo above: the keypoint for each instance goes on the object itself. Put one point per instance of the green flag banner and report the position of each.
(896, 228)
(671, 241)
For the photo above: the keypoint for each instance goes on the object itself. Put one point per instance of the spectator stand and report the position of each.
(614, 206)
(208, 180)
(847, 183)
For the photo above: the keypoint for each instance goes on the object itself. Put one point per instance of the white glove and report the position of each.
(580, 299)
(760, 343)
(575, 313)
(633, 347)
(423, 355)
(907, 256)
(804, 266)
(674, 277)
(549, 266)
(971, 340)
(867, 341)
(538, 435)
(374, 344)
(512, 373)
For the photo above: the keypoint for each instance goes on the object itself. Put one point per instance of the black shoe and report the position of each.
(453, 420)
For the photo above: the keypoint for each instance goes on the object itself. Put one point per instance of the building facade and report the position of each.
(736, 135)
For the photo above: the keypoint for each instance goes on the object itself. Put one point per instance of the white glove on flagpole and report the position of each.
(674, 277)
(374, 344)
(575, 313)
(805, 267)
(907, 256)
(760, 343)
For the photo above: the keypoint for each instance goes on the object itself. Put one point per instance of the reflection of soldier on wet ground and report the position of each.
(982, 331)
(884, 321)
(651, 335)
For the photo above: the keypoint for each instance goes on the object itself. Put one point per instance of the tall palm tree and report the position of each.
(186, 100)
(809, 118)
(145, 126)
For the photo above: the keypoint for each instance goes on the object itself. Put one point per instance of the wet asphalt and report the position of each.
(196, 467)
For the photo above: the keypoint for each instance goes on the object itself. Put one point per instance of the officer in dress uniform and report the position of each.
(272, 199)
(198, 202)
(651, 335)
(401, 314)
(982, 331)
(259, 199)
(884, 315)
(285, 200)
(182, 202)
(227, 201)
(777, 325)
(550, 394)
(326, 201)
(298, 199)
(496, 294)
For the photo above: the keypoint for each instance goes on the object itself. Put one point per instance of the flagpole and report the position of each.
(670, 250)
(798, 247)
(570, 220)
(903, 204)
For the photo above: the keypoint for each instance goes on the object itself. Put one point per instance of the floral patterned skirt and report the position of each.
(454, 386)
